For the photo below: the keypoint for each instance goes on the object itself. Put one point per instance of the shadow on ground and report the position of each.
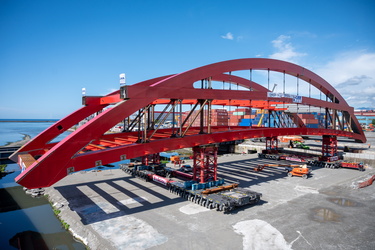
(100, 201)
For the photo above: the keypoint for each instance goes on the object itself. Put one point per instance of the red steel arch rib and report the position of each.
(46, 163)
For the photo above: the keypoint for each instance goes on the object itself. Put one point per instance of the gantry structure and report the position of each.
(195, 93)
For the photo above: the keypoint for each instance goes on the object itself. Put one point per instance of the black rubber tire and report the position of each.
(217, 207)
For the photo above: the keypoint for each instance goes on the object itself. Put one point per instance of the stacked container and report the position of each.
(309, 120)
(241, 117)
(261, 114)
(219, 117)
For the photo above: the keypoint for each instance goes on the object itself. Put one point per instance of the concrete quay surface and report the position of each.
(113, 210)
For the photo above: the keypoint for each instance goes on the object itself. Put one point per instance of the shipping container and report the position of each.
(310, 121)
(306, 116)
(312, 125)
(238, 113)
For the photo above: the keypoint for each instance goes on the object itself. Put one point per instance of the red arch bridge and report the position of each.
(202, 104)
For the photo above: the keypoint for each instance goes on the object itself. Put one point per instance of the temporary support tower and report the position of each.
(329, 148)
(151, 159)
(271, 144)
(205, 163)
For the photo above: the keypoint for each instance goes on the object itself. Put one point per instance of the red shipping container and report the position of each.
(306, 116)
(220, 110)
(242, 110)
(310, 121)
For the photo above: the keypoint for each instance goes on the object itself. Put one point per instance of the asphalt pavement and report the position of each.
(113, 210)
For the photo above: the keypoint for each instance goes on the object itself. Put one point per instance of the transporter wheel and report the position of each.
(290, 174)
(210, 206)
(304, 176)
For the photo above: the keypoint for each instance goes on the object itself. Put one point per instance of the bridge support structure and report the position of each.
(205, 163)
(151, 159)
(329, 148)
(271, 145)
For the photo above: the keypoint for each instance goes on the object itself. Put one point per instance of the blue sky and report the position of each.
(50, 50)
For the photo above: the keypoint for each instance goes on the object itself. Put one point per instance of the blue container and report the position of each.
(312, 125)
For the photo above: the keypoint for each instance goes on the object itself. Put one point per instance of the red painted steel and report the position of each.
(90, 146)
(329, 148)
(151, 159)
(271, 144)
(367, 183)
(205, 164)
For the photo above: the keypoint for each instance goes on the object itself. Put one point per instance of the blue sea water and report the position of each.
(16, 130)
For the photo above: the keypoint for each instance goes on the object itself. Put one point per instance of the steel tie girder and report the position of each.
(190, 140)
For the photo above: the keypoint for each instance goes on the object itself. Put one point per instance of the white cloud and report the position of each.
(351, 73)
(353, 76)
(284, 49)
(228, 36)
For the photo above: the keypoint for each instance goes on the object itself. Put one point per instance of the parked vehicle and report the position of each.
(302, 171)
(186, 168)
